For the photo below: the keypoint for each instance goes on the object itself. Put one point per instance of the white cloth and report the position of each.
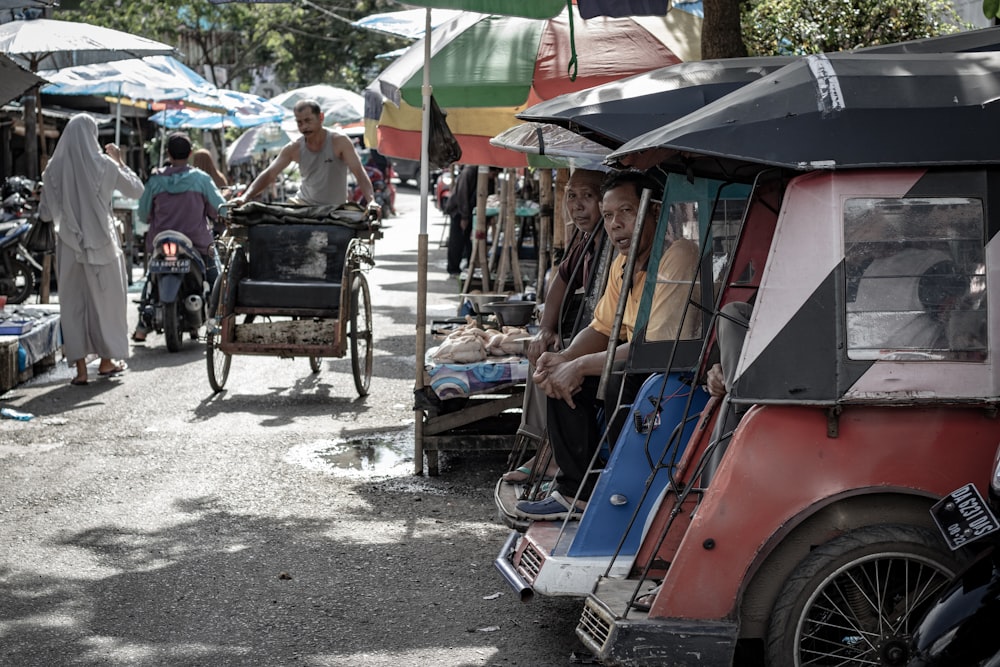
(78, 185)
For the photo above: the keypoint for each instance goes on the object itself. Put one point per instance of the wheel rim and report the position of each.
(361, 335)
(864, 612)
(218, 363)
(23, 281)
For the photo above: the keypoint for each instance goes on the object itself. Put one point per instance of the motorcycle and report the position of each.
(174, 298)
(385, 191)
(17, 266)
(960, 628)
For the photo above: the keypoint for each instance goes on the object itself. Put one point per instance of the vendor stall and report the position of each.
(29, 340)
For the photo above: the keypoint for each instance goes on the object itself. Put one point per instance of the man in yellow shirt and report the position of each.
(570, 377)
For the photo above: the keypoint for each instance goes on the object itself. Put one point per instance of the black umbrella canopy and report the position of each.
(839, 111)
(14, 79)
(616, 112)
(983, 39)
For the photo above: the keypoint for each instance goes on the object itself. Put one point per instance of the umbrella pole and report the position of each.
(118, 118)
(425, 130)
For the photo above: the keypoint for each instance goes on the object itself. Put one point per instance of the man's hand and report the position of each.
(558, 377)
(464, 224)
(540, 343)
(374, 210)
(715, 381)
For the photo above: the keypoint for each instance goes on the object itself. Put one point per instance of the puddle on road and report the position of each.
(375, 455)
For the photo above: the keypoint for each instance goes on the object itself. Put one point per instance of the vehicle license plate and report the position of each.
(963, 517)
(180, 265)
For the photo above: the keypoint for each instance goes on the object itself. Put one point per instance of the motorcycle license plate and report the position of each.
(964, 517)
(179, 265)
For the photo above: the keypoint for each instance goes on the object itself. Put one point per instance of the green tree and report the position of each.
(797, 27)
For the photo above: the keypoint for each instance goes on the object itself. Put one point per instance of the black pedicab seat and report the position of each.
(296, 256)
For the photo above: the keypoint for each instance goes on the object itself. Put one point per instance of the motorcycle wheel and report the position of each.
(172, 326)
(218, 363)
(855, 599)
(23, 281)
(360, 333)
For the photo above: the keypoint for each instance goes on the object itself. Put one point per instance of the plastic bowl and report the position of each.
(512, 313)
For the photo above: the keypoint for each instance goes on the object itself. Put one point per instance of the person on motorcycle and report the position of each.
(183, 199)
(323, 158)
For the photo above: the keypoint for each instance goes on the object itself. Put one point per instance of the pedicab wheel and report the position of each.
(855, 599)
(315, 363)
(218, 363)
(360, 333)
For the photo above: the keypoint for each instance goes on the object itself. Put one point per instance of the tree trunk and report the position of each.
(721, 32)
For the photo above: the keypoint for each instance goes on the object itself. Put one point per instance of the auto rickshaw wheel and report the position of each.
(855, 599)
(360, 333)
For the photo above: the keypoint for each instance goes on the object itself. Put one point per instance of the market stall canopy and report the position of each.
(485, 69)
(258, 141)
(616, 112)
(551, 146)
(152, 78)
(838, 111)
(14, 80)
(49, 44)
(408, 23)
(340, 106)
(222, 108)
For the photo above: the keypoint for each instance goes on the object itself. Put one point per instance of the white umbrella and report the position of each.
(46, 44)
(50, 44)
(340, 106)
(408, 23)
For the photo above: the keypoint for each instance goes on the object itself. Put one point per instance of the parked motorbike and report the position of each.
(175, 295)
(17, 266)
(960, 629)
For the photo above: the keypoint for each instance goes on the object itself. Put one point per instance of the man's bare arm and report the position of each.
(343, 148)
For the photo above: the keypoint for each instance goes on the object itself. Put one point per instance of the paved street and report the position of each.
(146, 521)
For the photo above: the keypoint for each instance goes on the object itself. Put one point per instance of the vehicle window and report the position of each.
(915, 279)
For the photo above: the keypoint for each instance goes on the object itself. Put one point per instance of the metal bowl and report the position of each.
(480, 302)
(512, 313)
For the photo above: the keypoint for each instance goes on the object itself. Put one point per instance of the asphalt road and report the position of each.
(146, 521)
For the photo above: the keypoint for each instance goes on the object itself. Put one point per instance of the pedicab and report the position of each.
(293, 285)
(796, 529)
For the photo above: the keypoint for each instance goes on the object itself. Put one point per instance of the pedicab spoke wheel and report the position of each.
(856, 600)
(218, 363)
(360, 333)
(315, 363)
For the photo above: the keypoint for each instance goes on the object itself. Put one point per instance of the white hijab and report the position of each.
(78, 184)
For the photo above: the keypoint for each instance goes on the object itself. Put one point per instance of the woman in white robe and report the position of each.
(79, 182)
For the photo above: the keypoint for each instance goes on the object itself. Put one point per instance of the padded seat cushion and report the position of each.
(272, 294)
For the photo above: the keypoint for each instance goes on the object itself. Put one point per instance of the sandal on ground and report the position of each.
(139, 336)
(117, 369)
(77, 382)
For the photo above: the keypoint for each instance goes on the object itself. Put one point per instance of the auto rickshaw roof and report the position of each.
(837, 111)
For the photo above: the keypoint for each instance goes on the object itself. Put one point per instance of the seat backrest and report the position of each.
(293, 253)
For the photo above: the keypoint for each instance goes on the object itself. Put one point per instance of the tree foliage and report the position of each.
(303, 42)
(797, 27)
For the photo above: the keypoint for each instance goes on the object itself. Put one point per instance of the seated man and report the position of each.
(581, 200)
(570, 378)
(183, 199)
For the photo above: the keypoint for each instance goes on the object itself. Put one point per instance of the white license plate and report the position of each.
(180, 265)
(964, 517)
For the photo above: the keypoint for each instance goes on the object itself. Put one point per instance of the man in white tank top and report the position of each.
(323, 158)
